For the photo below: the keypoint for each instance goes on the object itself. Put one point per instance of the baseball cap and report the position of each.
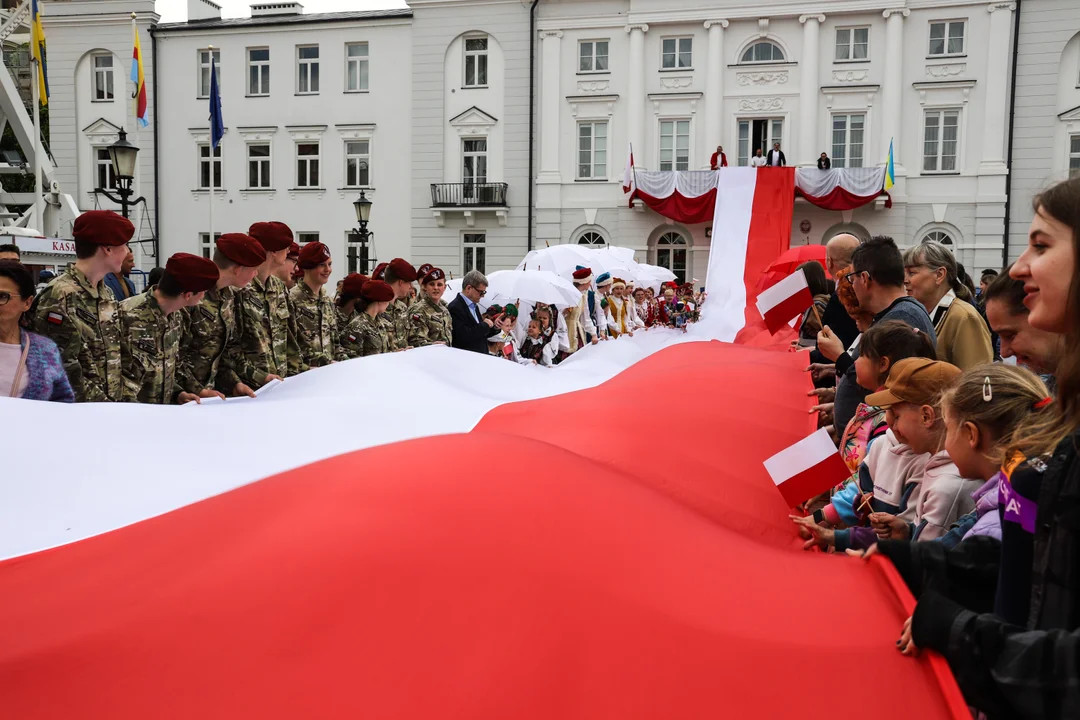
(915, 380)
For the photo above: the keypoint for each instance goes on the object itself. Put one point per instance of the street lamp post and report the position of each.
(362, 240)
(123, 155)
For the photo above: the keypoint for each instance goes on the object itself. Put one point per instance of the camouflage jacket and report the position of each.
(267, 333)
(315, 319)
(210, 347)
(149, 350)
(343, 319)
(429, 323)
(366, 335)
(398, 315)
(82, 320)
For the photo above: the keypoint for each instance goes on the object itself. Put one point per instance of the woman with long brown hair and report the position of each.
(1030, 670)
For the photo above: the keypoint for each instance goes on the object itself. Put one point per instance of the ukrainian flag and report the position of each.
(37, 47)
(890, 171)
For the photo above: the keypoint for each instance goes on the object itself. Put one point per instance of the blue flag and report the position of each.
(217, 124)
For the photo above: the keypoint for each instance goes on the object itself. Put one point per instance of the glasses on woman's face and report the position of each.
(5, 297)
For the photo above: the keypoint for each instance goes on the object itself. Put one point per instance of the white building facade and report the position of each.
(1046, 120)
(845, 78)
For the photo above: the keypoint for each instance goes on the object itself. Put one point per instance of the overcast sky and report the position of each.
(176, 10)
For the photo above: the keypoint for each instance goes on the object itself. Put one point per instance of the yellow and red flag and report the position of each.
(138, 80)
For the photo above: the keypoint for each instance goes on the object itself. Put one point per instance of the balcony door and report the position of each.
(474, 166)
(757, 133)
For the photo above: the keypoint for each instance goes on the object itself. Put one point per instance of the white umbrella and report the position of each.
(559, 259)
(533, 286)
(662, 274)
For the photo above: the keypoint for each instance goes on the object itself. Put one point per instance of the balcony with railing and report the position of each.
(470, 199)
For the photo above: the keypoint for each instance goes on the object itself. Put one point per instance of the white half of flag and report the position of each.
(628, 183)
(784, 300)
(807, 468)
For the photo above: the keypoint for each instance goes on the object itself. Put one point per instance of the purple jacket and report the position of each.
(46, 379)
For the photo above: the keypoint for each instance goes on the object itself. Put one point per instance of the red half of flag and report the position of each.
(785, 300)
(807, 468)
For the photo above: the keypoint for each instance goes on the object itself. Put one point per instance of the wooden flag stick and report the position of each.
(817, 316)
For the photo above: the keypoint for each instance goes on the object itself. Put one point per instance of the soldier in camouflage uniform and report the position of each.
(369, 332)
(316, 317)
(267, 330)
(429, 316)
(347, 298)
(152, 325)
(210, 354)
(77, 310)
(400, 276)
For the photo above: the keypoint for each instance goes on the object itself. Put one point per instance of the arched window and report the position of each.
(671, 254)
(592, 239)
(938, 236)
(763, 52)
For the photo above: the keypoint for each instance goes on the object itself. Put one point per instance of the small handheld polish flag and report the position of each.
(784, 300)
(807, 468)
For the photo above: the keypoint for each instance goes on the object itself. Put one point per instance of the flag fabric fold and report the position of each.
(785, 300)
(807, 468)
(629, 184)
(217, 123)
(138, 80)
(37, 49)
(890, 170)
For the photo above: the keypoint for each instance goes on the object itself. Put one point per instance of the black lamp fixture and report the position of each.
(123, 155)
(361, 240)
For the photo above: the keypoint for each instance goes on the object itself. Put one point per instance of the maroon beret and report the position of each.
(432, 275)
(241, 249)
(192, 272)
(273, 236)
(353, 284)
(312, 255)
(402, 270)
(424, 270)
(294, 250)
(379, 270)
(377, 291)
(103, 227)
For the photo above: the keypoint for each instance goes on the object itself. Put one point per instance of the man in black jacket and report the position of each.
(470, 328)
(776, 158)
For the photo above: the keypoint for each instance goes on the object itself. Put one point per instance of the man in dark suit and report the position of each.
(776, 157)
(470, 328)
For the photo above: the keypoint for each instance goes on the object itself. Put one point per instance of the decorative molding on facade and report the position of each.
(850, 76)
(903, 12)
(592, 106)
(676, 83)
(102, 133)
(356, 131)
(305, 132)
(593, 86)
(940, 87)
(819, 17)
(473, 122)
(765, 103)
(774, 77)
(659, 98)
(832, 91)
(722, 23)
(251, 134)
(1010, 6)
(551, 34)
(637, 26)
(763, 27)
(943, 71)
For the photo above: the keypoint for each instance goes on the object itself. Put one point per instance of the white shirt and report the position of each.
(757, 161)
(10, 355)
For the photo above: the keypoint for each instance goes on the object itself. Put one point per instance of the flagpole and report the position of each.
(39, 199)
(210, 48)
(135, 111)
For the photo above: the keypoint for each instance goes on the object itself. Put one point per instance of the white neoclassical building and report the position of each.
(477, 139)
(845, 78)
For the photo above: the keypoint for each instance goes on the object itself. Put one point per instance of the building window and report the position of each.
(307, 165)
(204, 72)
(303, 238)
(671, 254)
(356, 67)
(941, 134)
(357, 163)
(204, 166)
(205, 247)
(592, 239)
(473, 252)
(474, 163)
(675, 145)
(763, 52)
(592, 151)
(307, 69)
(938, 236)
(105, 177)
(758, 133)
(593, 56)
(476, 62)
(103, 78)
(258, 71)
(947, 38)
(1074, 154)
(677, 53)
(853, 43)
(259, 166)
(847, 140)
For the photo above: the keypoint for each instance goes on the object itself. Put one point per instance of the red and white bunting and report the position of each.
(807, 468)
(785, 300)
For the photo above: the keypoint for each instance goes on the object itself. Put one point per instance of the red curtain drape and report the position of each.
(680, 208)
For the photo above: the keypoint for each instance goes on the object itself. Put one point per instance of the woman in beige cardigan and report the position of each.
(930, 276)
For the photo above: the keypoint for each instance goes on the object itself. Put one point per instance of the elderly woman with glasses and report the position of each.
(30, 365)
